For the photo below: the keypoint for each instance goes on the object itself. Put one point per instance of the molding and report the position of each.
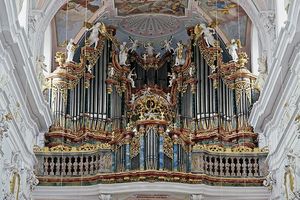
(92, 192)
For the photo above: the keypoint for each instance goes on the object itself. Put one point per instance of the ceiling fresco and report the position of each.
(69, 19)
(231, 18)
(153, 19)
(175, 7)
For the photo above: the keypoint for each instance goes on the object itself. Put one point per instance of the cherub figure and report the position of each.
(133, 97)
(192, 70)
(89, 69)
(167, 45)
(147, 91)
(149, 49)
(123, 53)
(179, 60)
(145, 57)
(233, 48)
(71, 47)
(208, 35)
(172, 78)
(111, 72)
(130, 77)
(169, 97)
(134, 44)
(94, 36)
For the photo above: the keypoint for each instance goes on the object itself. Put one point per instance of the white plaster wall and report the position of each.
(275, 114)
(20, 96)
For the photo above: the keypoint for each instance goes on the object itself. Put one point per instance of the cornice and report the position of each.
(225, 193)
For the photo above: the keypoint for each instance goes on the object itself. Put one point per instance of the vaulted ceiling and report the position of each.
(152, 20)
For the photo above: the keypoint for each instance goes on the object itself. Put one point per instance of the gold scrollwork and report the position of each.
(168, 146)
(135, 146)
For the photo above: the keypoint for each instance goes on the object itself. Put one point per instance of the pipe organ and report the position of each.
(153, 112)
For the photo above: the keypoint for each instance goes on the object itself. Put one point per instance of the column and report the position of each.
(127, 153)
(189, 159)
(161, 147)
(175, 153)
(113, 165)
(142, 147)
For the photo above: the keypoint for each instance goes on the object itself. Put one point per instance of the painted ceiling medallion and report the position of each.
(151, 25)
(174, 7)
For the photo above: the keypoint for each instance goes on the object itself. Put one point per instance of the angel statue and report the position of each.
(130, 77)
(71, 47)
(149, 49)
(179, 60)
(123, 53)
(173, 77)
(134, 44)
(94, 36)
(167, 45)
(232, 49)
(208, 35)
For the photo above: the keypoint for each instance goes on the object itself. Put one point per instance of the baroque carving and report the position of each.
(263, 73)
(105, 197)
(290, 182)
(269, 181)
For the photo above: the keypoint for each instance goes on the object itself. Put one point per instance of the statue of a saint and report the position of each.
(123, 53)
(179, 60)
(41, 70)
(71, 47)
(262, 69)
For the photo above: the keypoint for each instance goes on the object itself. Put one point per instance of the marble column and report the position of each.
(127, 153)
(142, 147)
(175, 153)
(113, 165)
(189, 159)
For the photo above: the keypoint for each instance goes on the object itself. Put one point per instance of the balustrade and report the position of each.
(228, 165)
(73, 164)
